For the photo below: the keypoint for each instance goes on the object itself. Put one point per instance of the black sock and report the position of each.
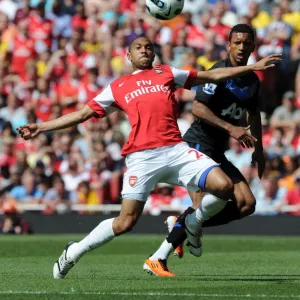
(229, 213)
(178, 235)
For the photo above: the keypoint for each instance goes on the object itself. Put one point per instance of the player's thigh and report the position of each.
(219, 184)
(189, 168)
(144, 170)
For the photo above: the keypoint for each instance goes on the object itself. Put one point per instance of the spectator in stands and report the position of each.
(41, 100)
(194, 36)
(13, 180)
(7, 157)
(39, 152)
(40, 28)
(217, 25)
(289, 16)
(68, 89)
(62, 15)
(56, 195)
(89, 89)
(279, 144)
(259, 19)
(23, 48)
(43, 181)
(277, 38)
(237, 155)
(12, 221)
(74, 174)
(269, 198)
(210, 56)
(292, 198)
(290, 166)
(27, 192)
(99, 178)
(86, 195)
(6, 35)
(13, 112)
(161, 196)
(286, 115)
(23, 12)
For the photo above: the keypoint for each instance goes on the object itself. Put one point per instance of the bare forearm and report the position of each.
(63, 122)
(204, 113)
(229, 73)
(221, 74)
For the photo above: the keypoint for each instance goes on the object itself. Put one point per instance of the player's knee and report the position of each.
(224, 188)
(250, 206)
(246, 206)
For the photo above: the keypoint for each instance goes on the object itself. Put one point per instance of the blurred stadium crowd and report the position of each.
(55, 55)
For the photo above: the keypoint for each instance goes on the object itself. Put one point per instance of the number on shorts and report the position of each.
(198, 154)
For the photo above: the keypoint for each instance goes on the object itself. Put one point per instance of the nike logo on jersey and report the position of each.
(242, 94)
(120, 84)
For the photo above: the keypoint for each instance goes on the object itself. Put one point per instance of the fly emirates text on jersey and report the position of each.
(145, 87)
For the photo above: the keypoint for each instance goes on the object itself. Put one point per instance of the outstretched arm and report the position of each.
(30, 131)
(221, 74)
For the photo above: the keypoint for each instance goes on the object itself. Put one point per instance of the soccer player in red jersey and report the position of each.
(155, 151)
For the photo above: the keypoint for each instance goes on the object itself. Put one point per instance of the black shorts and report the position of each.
(228, 168)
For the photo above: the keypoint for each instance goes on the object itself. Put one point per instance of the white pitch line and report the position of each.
(11, 292)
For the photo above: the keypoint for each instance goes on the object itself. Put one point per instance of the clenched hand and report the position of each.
(28, 131)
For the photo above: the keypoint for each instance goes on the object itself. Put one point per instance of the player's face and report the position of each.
(240, 48)
(141, 54)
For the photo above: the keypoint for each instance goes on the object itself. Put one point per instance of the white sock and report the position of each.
(210, 205)
(101, 235)
(163, 251)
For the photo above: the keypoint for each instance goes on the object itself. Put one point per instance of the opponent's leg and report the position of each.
(242, 204)
(102, 234)
(220, 186)
(177, 233)
(219, 183)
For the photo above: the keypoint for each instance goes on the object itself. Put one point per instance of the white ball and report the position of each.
(164, 9)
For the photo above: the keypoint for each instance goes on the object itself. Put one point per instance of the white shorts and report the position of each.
(177, 165)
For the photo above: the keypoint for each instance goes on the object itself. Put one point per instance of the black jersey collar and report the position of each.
(228, 63)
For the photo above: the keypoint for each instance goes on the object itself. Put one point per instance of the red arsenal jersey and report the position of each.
(23, 51)
(147, 97)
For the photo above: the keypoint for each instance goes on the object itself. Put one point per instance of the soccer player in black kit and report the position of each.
(220, 110)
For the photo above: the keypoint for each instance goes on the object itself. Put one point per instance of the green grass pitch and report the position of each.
(231, 267)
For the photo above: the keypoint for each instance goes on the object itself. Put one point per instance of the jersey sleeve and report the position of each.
(102, 104)
(206, 91)
(183, 78)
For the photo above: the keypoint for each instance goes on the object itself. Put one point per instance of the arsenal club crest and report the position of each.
(132, 180)
(158, 70)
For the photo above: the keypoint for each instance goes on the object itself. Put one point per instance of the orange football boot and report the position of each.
(158, 268)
